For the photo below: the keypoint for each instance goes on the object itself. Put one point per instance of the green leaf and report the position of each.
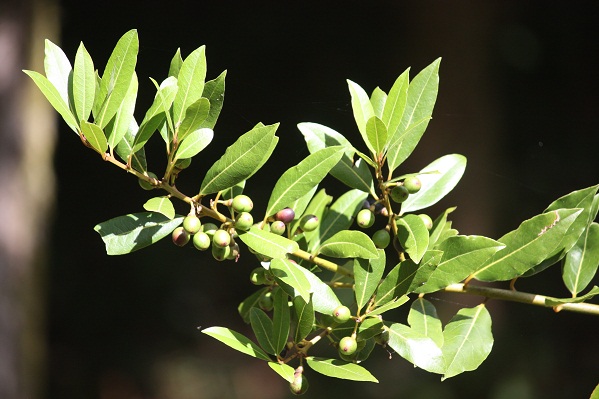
(416, 348)
(281, 319)
(363, 110)
(176, 63)
(323, 297)
(355, 175)
(117, 77)
(191, 83)
(194, 143)
(527, 246)
(128, 233)
(195, 116)
(435, 186)
(367, 275)
(83, 84)
(240, 161)
(376, 131)
(413, 236)
(468, 340)
(285, 371)
(582, 261)
(236, 341)
(262, 327)
(439, 226)
(94, 136)
(214, 91)
(54, 98)
(422, 94)
(121, 123)
(125, 149)
(369, 328)
(304, 318)
(300, 204)
(393, 304)
(250, 302)
(462, 256)
(301, 178)
(58, 69)
(288, 272)
(161, 205)
(349, 244)
(267, 243)
(378, 99)
(317, 207)
(340, 369)
(424, 320)
(560, 301)
(396, 103)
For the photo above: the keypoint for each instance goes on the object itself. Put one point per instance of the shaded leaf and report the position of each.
(125, 149)
(161, 205)
(195, 116)
(439, 226)
(250, 302)
(559, 301)
(281, 318)
(214, 91)
(349, 244)
(369, 328)
(581, 262)
(262, 327)
(304, 318)
(236, 341)
(340, 369)
(393, 304)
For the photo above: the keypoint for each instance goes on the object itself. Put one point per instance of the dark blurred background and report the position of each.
(518, 97)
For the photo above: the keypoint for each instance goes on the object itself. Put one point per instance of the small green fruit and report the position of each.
(242, 203)
(220, 253)
(399, 194)
(221, 238)
(266, 303)
(146, 185)
(192, 223)
(412, 184)
(299, 385)
(341, 314)
(285, 215)
(258, 276)
(309, 222)
(277, 227)
(210, 229)
(201, 241)
(428, 222)
(180, 236)
(244, 221)
(381, 238)
(365, 218)
(348, 346)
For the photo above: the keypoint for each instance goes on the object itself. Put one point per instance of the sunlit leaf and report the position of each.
(236, 341)
(349, 244)
(266, 243)
(376, 131)
(194, 143)
(94, 136)
(363, 110)
(161, 205)
(340, 369)
(368, 274)
(283, 370)
(289, 273)
(416, 348)
(424, 320)
(118, 127)
(58, 69)
(304, 318)
(214, 91)
(378, 99)
(581, 262)
(413, 236)
(83, 84)
(195, 116)
(396, 103)
(191, 83)
(281, 318)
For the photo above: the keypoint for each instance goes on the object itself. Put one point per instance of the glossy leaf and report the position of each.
(581, 262)
(300, 204)
(195, 116)
(94, 136)
(54, 98)
(363, 110)
(268, 244)
(284, 370)
(413, 236)
(240, 160)
(416, 348)
(396, 103)
(191, 83)
(161, 205)
(304, 318)
(117, 77)
(58, 69)
(349, 244)
(83, 84)
(250, 302)
(262, 327)
(462, 256)
(176, 63)
(393, 304)
(340, 369)
(378, 99)
(301, 178)
(214, 91)
(582, 298)
(125, 149)
(421, 97)
(289, 273)
(439, 226)
(236, 341)
(376, 131)
(468, 340)
(423, 319)
(324, 299)
(128, 233)
(528, 245)
(367, 275)
(317, 207)
(118, 127)
(281, 319)
(369, 328)
(194, 143)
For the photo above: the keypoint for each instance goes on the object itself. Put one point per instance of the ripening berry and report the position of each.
(341, 314)
(299, 385)
(412, 184)
(381, 238)
(277, 227)
(146, 185)
(399, 194)
(192, 223)
(221, 238)
(234, 251)
(365, 218)
(309, 222)
(348, 346)
(428, 222)
(285, 215)
(180, 236)
(242, 203)
(244, 221)
(201, 241)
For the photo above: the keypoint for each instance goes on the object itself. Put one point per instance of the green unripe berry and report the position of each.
(365, 218)
(192, 223)
(299, 385)
(180, 236)
(258, 276)
(201, 241)
(146, 185)
(381, 238)
(242, 203)
(285, 215)
(399, 194)
(309, 222)
(412, 184)
(220, 253)
(428, 222)
(277, 227)
(266, 303)
(341, 314)
(348, 346)
(183, 163)
(244, 221)
(210, 229)
(221, 238)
